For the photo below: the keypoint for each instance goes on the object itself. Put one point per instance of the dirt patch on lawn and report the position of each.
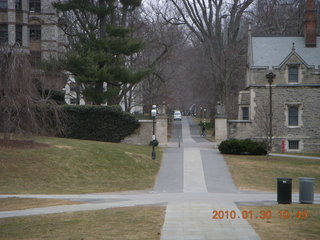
(64, 147)
(138, 157)
(22, 144)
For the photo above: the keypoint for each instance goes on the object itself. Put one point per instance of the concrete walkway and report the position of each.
(203, 168)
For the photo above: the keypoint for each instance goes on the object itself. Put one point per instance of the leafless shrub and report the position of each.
(23, 110)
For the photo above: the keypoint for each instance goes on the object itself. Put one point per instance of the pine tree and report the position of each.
(101, 46)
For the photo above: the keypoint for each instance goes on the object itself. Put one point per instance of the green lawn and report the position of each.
(261, 173)
(138, 223)
(77, 166)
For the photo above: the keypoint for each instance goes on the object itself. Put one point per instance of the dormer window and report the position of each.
(293, 74)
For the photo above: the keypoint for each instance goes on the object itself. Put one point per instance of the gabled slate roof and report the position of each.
(272, 51)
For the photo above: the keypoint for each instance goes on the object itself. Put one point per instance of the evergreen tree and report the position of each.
(100, 47)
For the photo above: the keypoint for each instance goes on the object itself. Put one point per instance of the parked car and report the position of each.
(177, 115)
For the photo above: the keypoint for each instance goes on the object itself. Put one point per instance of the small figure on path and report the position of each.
(203, 130)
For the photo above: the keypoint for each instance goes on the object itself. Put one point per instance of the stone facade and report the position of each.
(49, 43)
(143, 135)
(52, 39)
(295, 94)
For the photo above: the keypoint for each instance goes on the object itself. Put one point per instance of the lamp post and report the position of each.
(153, 114)
(270, 76)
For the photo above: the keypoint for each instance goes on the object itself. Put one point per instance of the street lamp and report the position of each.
(153, 142)
(270, 77)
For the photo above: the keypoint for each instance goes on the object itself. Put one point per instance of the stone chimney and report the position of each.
(310, 24)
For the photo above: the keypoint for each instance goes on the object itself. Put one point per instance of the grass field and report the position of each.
(77, 166)
(261, 173)
(143, 223)
(13, 203)
(281, 226)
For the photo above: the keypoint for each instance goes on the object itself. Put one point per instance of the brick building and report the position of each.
(33, 25)
(295, 90)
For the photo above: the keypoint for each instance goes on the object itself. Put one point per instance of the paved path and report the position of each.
(204, 170)
(193, 181)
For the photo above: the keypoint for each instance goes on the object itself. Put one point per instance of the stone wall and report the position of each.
(240, 129)
(143, 135)
(162, 130)
(308, 131)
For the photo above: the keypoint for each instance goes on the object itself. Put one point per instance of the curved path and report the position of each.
(193, 181)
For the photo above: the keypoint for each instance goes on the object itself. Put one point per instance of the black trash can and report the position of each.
(306, 190)
(284, 190)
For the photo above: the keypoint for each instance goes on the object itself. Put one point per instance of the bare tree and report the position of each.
(278, 17)
(216, 24)
(162, 44)
(22, 108)
(262, 123)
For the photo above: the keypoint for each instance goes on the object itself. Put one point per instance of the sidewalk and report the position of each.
(204, 170)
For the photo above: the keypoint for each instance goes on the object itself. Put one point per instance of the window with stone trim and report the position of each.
(35, 5)
(3, 4)
(18, 5)
(293, 144)
(293, 74)
(245, 113)
(19, 34)
(293, 115)
(3, 33)
(35, 32)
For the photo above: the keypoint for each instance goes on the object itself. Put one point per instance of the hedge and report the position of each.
(239, 146)
(101, 123)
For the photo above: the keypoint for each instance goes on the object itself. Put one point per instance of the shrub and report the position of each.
(239, 146)
(101, 123)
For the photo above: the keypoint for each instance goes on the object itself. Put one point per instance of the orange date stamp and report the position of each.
(262, 215)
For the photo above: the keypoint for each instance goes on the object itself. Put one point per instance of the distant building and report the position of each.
(33, 25)
(295, 90)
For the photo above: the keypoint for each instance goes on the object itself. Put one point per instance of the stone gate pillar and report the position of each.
(162, 129)
(221, 124)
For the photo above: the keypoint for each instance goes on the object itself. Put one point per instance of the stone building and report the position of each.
(33, 25)
(295, 90)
